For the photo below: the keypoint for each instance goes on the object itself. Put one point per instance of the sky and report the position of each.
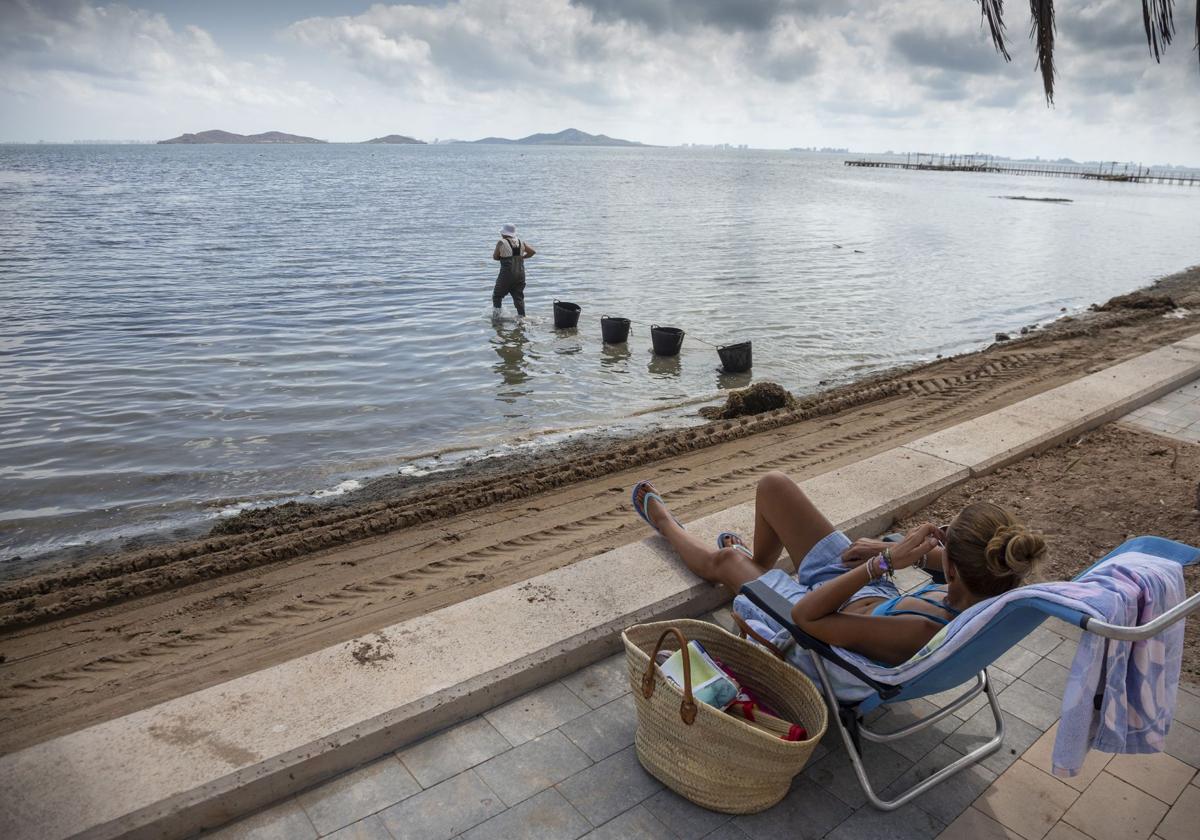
(909, 75)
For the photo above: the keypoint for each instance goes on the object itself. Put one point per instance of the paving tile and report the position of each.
(1031, 704)
(1064, 629)
(532, 767)
(285, 821)
(1064, 654)
(1113, 808)
(601, 682)
(1187, 709)
(536, 713)
(1018, 737)
(1016, 660)
(729, 831)
(1026, 800)
(635, 824)
(1000, 679)
(808, 812)
(546, 816)
(907, 823)
(610, 787)
(918, 744)
(836, 774)
(724, 620)
(1042, 640)
(1050, 677)
(950, 797)
(686, 819)
(1158, 774)
(1181, 821)
(369, 828)
(606, 730)
(1040, 755)
(452, 751)
(357, 794)
(1063, 831)
(444, 810)
(1183, 743)
(975, 825)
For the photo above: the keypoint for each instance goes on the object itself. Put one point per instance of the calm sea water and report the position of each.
(187, 330)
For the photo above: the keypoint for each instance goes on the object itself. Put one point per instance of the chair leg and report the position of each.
(849, 738)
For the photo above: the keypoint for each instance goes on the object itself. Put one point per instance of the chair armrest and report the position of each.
(1151, 628)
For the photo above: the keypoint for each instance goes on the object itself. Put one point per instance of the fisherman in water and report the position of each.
(512, 253)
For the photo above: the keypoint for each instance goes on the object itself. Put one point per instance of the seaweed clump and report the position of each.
(1137, 300)
(758, 398)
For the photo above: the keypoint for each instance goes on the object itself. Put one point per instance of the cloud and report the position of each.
(75, 49)
(663, 15)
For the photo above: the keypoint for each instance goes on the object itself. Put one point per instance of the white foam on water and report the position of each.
(339, 489)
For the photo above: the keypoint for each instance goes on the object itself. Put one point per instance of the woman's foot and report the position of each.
(728, 539)
(650, 506)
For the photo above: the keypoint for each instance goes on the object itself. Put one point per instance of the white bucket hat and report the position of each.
(508, 230)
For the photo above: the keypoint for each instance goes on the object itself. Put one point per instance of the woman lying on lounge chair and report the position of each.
(842, 591)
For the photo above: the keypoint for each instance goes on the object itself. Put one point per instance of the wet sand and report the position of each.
(95, 641)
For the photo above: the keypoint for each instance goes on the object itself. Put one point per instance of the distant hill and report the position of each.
(568, 137)
(229, 137)
(397, 139)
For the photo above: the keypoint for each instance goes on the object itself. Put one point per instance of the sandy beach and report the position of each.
(89, 642)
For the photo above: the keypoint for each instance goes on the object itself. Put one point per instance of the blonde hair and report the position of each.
(992, 551)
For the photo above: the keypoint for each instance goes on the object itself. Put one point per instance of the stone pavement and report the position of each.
(559, 763)
(1176, 415)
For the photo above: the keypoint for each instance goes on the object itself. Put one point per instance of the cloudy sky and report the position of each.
(908, 75)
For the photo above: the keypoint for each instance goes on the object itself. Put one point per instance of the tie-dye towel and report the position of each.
(1136, 681)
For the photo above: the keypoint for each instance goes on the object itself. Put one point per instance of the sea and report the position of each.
(190, 331)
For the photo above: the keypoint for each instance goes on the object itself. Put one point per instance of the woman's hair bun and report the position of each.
(1013, 551)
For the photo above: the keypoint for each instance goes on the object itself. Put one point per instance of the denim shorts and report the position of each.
(822, 564)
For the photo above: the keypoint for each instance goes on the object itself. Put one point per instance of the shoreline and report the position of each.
(291, 509)
(114, 636)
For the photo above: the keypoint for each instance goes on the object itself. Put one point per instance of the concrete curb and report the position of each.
(201, 760)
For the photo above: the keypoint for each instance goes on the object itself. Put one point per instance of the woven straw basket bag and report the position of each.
(714, 759)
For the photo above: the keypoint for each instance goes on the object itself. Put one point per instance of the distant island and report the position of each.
(276, 137)
(567, 137)
(396, 139)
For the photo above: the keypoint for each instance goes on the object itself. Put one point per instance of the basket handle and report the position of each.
(687, 709)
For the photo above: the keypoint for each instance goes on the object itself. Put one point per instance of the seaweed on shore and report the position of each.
(1137, 300)
(758, 398)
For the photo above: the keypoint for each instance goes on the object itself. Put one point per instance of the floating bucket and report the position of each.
(667, 340)
(735, 358)
(566, 315)
(615, 330)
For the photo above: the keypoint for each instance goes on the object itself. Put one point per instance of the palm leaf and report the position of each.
(993, 15)
(1041, 32)
(1159, 19)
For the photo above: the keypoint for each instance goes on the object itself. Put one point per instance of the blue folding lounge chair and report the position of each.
(1010, 625)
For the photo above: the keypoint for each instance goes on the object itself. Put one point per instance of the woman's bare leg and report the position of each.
(727, 566)
(785, 518)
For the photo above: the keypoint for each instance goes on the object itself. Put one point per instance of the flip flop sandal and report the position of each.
(641, 509)
(740, 546)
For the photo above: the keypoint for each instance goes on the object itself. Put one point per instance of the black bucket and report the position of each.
(667, 340)
(614, 330)
(566, 315)
(735, 358)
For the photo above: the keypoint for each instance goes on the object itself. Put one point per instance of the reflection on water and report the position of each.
(615, 355)
(664, 367)
(732, 381)
(513, 368)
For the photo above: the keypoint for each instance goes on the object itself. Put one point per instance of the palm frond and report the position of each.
(993, 15)
(1041, 32)
(1159, 19)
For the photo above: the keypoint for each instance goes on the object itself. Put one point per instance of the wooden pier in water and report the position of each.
(1123, 173)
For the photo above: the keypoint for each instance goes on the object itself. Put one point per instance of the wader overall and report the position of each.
(511, 279)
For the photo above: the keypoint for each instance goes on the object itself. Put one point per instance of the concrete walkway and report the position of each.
(559, 762)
